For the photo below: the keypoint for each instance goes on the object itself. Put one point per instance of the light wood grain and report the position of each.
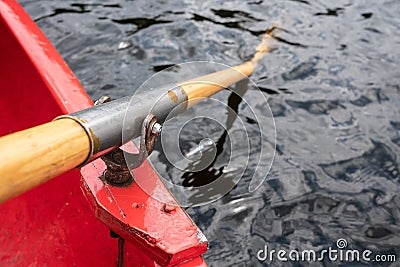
(205, 86)
(31, 157)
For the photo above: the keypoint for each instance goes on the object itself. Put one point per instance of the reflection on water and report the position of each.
(332, 85)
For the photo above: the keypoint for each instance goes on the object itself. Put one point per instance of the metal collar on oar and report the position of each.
(104, 124)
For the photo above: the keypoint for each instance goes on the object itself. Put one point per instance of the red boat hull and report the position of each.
(51, 225)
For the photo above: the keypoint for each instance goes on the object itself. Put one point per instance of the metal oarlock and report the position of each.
(122, 204)
(104, 124)
(118, 173)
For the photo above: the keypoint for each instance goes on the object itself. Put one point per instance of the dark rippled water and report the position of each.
(332, 84)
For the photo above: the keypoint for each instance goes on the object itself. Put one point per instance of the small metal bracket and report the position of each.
(150, 130)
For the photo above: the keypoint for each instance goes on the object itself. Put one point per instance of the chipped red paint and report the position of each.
(51, 225)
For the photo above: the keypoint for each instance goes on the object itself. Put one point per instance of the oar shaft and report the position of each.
(114, 123)
(31, 157)
(206, 86)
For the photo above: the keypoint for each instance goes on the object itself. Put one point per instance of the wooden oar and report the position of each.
(33, 156)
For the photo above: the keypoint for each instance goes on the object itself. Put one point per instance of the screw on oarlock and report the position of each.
(118, 173)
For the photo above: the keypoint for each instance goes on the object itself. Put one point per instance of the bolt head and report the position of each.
(156, 130)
